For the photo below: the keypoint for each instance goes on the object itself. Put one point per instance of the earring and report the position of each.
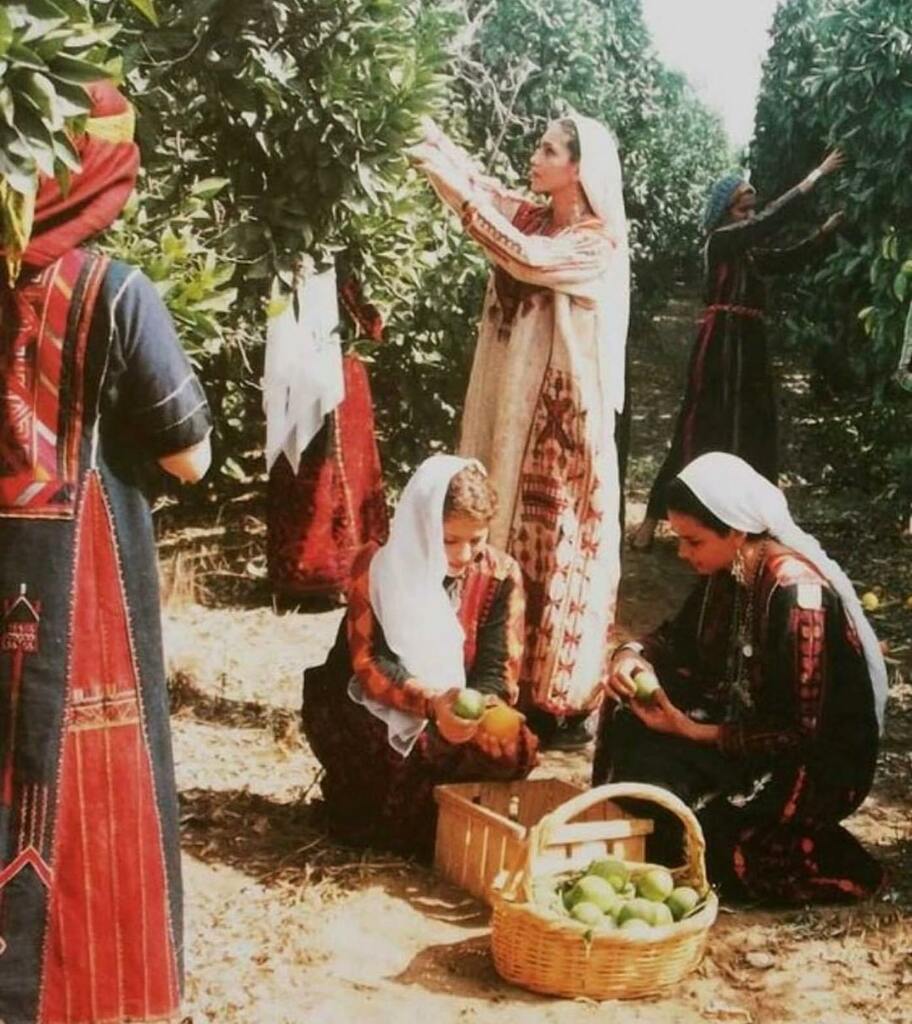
(739, 567)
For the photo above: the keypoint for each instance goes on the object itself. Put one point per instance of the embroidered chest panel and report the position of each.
(42, 387)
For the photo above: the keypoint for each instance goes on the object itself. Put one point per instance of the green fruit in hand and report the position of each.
(636, 909)
(593, 889)
(655, 884)
(646, 683)
(586, 913)
(469, 704)
(682, 901)
(634, 926)
(613, 871)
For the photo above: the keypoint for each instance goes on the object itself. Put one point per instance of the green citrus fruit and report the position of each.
(635, 926)
(638, 909)
(469, 704)
(655, 884)
(646, 684)
(594, 889)
(661, 914)
(681, 901)
(586, 913)
(614, 871)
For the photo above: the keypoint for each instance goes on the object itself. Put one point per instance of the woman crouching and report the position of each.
(433, 611)
(773, 690)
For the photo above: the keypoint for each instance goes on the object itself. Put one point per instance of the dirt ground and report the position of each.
(285, 928)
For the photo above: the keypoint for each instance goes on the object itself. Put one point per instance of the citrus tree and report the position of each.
(839, 72)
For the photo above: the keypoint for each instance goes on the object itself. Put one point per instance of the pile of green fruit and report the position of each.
(608, 896)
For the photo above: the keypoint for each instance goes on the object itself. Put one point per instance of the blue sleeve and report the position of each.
(156, 396)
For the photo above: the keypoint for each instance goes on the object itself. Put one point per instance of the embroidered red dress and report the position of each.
(799, 735)
(373, 795)
(320, 516)
(94, 387)
(729, 401)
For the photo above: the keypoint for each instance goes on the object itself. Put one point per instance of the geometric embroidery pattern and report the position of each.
(41, 388)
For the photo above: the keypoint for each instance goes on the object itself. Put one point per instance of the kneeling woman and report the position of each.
(773, 690)
(433, 610)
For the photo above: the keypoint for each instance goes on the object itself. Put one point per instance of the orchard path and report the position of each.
(284, 928)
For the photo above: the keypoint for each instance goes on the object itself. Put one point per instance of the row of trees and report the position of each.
(276, 128)
(839, 72)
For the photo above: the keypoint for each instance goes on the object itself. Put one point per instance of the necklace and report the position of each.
(741, 645)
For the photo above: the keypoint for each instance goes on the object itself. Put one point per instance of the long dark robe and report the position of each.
(94, 388)
(729, 401)
(374, 796)
(798, 742)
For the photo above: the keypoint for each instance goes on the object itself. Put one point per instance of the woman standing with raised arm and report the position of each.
(546, 383)
(729, 402)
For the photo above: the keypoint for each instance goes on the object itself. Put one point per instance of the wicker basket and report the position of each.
(483, 830)
(560, 957)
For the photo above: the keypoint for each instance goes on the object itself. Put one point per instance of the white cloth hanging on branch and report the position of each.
(302, 380)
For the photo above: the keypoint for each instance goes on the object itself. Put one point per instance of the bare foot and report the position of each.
(642, 539)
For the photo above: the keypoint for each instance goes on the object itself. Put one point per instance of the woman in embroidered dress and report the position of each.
(94, 386)
(773, 693)
(729, 401)
(435, 609)
(547, 382)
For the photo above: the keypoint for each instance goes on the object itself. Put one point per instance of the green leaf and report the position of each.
(6, 32)
(147, 9)
(75, 71)
(207, 188)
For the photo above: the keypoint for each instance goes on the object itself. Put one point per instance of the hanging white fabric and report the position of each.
(744, 500)
(302, 380)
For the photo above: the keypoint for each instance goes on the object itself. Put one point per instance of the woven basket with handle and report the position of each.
(558, 956)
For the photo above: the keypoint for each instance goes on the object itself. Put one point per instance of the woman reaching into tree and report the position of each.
(434, 610)
(773, 693)
(547, 381)
(729, 402)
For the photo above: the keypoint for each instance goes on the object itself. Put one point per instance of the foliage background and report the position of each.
(839, 72)
(274, 128)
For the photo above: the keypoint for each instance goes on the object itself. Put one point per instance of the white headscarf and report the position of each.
(744, 500)
(601, 180)
(409, 602)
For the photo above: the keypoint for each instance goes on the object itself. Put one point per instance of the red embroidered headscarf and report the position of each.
(98, 192)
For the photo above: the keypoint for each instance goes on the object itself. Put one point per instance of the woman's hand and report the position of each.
(452, 727)
(660, 715)
(623, 667)
(833, 161)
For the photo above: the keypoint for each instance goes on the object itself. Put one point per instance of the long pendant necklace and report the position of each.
(741, 644)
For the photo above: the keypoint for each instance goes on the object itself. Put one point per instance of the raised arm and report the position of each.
(745, 234)
(439, 150)
(572, 261)
(796, 257)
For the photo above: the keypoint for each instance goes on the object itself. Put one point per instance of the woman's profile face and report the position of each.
(701, 547)
(744, 204)
(552, 167)
(463, 537)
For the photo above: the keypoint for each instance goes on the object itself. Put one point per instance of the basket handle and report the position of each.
(540, 836)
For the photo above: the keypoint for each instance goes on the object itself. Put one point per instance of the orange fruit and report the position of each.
(502, 722)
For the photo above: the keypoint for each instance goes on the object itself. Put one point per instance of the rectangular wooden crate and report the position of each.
(483, 827)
